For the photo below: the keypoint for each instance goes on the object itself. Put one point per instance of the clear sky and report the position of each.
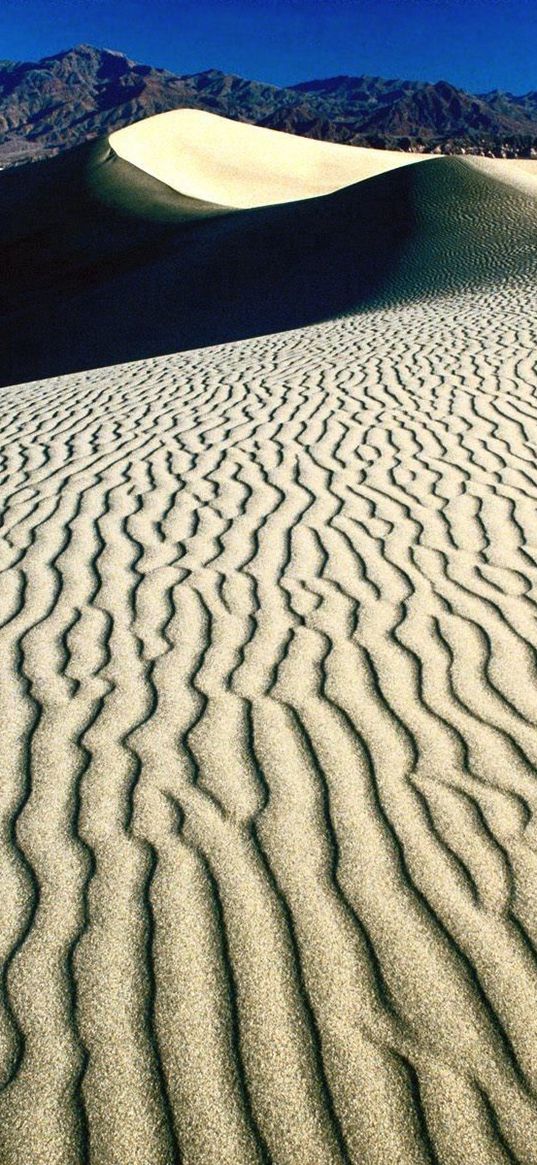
(476, 44)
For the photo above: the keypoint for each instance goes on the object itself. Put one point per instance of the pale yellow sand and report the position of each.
(268, 738)
(519, 172)
(100, 263)
(269, 874)
(217, 160)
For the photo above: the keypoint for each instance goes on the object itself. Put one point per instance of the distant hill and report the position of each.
(85, 92)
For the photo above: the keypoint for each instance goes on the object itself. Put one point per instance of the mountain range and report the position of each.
(85, 92)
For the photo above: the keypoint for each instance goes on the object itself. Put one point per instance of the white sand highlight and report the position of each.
(268, 730)
(112, 265)
(217, 160)
(518, 172)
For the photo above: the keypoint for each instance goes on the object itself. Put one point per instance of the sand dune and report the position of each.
(238, 165)
(520, 172)
(268, 650)
(269, 741)
(102, 263)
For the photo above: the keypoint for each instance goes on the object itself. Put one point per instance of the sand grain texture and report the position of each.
(268, 741)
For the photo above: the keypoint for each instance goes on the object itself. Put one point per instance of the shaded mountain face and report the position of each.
(70, 98)
(84, 93)
(433, 114)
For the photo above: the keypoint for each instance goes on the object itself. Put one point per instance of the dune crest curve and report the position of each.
(212, 158)
(101, 262)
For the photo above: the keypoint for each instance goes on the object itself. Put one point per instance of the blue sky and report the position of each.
(477, 44)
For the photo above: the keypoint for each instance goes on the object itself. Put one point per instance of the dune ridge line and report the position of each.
(268, 727)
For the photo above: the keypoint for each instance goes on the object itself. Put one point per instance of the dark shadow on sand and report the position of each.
(101, 264)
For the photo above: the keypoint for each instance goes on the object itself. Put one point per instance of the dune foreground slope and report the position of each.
(268, 655)
(102, 261)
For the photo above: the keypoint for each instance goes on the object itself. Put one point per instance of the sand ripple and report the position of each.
(269, 738)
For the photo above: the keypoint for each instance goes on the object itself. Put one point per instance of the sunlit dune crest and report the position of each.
(185, 241)
(217, 160)
(268, 644)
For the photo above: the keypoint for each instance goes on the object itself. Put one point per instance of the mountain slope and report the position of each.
(85, 93)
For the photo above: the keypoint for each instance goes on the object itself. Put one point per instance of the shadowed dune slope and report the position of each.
(101, 262)
(268, 803)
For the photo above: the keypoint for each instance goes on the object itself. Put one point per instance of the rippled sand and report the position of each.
(269, 871)
(268, 738)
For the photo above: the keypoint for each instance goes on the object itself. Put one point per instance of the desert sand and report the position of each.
(238, 165)
(269, 726)
(102, 263)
